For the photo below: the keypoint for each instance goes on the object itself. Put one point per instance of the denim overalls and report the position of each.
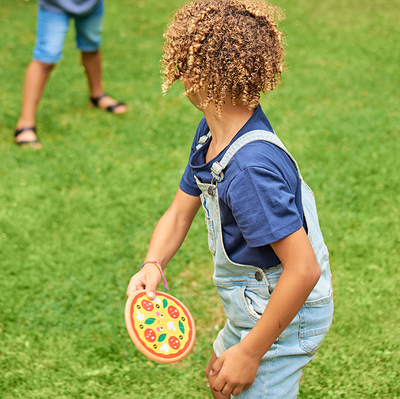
(245, 290)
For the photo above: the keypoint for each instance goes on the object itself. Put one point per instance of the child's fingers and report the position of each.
(153, 280)
(134, 285)
(216, 367)
(148, 278)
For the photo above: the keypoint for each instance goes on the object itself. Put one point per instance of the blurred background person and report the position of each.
(52, 25)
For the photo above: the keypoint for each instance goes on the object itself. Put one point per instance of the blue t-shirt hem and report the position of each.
(189, 189)
(276, 235)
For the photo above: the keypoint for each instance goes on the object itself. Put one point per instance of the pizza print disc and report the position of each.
(162, 328)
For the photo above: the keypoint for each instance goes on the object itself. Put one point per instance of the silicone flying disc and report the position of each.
(162, 328)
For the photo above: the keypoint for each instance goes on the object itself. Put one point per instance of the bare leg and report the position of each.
(93, 68)
(215, 394)
(36, 77)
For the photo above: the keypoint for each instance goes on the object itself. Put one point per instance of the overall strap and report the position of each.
(218, 167)
(203, 140)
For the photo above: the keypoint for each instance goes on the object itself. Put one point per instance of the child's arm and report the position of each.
(168, 236)
(236, 368)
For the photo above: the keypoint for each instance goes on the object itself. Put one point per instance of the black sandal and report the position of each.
(110, 108)
(22, 143)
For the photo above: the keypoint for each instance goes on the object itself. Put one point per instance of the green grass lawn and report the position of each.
(76, 217)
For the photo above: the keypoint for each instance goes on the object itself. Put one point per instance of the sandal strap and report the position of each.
(95, 100)
(111, 108)
(24, 129)
(20, 143)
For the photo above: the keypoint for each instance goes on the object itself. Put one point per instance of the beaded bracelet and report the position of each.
(155, 262)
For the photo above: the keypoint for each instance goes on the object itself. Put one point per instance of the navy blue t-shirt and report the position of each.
(73, 7)
(259, 197)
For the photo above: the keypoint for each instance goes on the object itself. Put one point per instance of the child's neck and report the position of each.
(224, 128)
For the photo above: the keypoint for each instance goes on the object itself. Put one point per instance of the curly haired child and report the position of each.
(271, 266)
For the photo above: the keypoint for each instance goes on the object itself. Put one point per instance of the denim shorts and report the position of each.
(281, 367)
(52, 29)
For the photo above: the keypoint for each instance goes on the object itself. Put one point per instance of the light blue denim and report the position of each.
(245, 291)
(52, 28)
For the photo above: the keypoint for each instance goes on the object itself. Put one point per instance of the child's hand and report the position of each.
(147, 278)
(234, 371)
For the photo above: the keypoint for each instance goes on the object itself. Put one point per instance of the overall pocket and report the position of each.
(243, 305)
(256, 299)
(315, 322)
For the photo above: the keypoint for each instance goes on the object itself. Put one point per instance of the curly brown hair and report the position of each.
(225, 47)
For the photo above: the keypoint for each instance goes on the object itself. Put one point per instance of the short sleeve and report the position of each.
(188, 183)
(263, 206)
